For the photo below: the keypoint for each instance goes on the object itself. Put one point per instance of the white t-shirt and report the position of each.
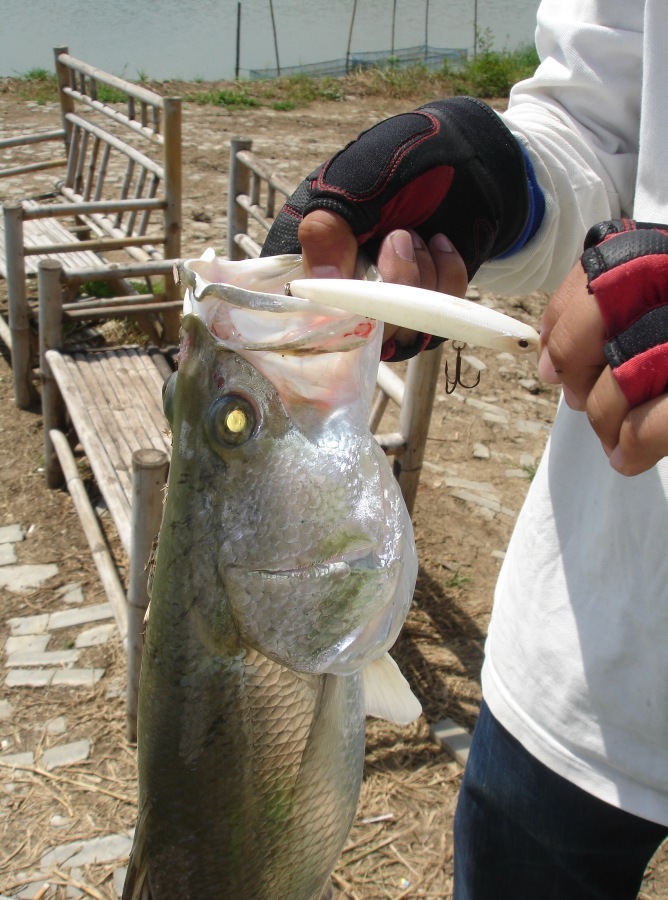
(576, 665)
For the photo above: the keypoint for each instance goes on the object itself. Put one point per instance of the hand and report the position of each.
(596, 343)
(451, 166)
(330, 249)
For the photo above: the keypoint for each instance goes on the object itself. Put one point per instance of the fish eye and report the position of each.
(168, 390)
(232, 420)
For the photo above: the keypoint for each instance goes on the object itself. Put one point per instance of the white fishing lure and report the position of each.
(419, 309)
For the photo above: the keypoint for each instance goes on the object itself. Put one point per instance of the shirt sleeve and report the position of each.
(578, 119)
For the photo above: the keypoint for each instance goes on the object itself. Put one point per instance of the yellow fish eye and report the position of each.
(236, 420)
(232, 420)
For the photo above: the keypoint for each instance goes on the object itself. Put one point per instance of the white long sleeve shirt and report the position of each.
(576, 664)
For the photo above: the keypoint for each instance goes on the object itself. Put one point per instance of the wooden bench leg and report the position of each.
(50, 338)
(149, 476)
(19, 321)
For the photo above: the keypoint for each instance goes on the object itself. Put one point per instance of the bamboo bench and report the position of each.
(108, 402)
(251, 209)
(119, 198)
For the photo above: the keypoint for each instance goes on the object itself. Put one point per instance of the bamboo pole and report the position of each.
(416, 409)
(25, 139)
(124, 309)
(273, 26)
(144, 95)
(34, 167)
(149, 475)
(173, 213)
(50, 338)
(19, 320)
(66, 102)
(41, 211)
(238, 52)
(350, 36)
(103, 243)
(237, 219)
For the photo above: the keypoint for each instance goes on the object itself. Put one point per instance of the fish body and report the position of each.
(284, 571)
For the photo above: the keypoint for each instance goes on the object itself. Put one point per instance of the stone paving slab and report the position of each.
(453, 738)
(84, 853)
(72, 594)
(54, 677)
(27, 643)
(26, 758)
(93, 637)
(70, 618)
(11, 534)
(37, 624)
(65, 754)
(77, 677)
(23, 578)
(29, 677)
(43, 658)
(7, 554)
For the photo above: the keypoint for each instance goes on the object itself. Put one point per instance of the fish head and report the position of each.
(286, 488)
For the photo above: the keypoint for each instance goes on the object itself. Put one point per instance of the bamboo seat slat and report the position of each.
(39, 232)
(114, 401)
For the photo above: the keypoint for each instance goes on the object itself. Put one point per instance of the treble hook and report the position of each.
(451, 384)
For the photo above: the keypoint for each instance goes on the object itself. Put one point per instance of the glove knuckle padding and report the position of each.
(451, 166)
(626, 264)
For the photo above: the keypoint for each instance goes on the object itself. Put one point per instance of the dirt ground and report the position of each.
(483, 447)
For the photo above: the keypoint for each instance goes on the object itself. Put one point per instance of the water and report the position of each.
(172, 39)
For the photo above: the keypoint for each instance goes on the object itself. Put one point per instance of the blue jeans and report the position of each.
(524, 833)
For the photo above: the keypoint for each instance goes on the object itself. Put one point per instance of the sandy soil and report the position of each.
(401, 844)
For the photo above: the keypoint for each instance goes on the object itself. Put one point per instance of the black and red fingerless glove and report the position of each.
(451, 166)
(626, 264)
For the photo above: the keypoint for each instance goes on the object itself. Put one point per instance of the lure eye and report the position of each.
(168, 390)
(232, 420)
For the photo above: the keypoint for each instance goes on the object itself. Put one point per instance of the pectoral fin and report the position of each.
(387, 694)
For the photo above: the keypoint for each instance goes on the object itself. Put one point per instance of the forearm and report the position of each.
(578, 116)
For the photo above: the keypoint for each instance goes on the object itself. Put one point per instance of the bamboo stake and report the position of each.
(149, 475)
(19, 322)
(50, 338)
(416, 409)
(237, 219)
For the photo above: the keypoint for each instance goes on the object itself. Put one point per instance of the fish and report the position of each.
(284, 571)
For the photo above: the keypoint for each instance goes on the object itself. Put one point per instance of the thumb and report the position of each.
(329, 247)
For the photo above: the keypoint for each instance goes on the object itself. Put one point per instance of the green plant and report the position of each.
(492, 73)
(108, 94)
(232, 99)
(97, 289)
(457, 580)
(38, 85)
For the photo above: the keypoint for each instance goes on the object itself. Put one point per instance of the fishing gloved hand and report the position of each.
(606, 334)
(450, 167)
(626, 264)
